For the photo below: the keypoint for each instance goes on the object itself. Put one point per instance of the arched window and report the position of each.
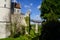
(14, 10)
(17, 10)
(5, 0)
(4, 5)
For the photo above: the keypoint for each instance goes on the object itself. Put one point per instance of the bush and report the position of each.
(22, 37)
(50, 30)
(32, 33)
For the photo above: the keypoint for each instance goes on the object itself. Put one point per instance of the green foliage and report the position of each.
(31, 36)
(28, 23)
(39, 29)
(27, 20)
(17, 32)
(50, 9)
(7, 39)
(33, 25)
(22, 37)
(32, 33)
(50, 30)
(13, 29)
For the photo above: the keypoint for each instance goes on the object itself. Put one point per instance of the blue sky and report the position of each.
(33, 6)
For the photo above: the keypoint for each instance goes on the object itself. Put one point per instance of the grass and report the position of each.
(25, 37)
(32, 36)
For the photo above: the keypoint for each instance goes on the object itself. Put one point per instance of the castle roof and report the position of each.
(15, 5)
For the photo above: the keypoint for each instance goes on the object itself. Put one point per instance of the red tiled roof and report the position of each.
(16, 5)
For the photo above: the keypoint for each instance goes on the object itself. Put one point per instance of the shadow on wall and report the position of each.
(50, 30)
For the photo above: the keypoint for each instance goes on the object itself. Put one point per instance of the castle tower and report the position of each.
(5, 6)
(16, 7)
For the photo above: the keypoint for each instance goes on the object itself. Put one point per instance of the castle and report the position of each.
(10, 16)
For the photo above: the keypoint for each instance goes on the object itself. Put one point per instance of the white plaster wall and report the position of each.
(8, 3)
(3, 30)
(23, 22)
(16, 11)
(2, 2)
(4, 14)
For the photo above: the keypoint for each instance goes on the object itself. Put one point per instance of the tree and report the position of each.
(28, 23)
(50, 11)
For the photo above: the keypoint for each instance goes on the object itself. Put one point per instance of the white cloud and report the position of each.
(30, 10)
(26, 6)
(31, 4)
(14, 1)
(39, 6)
(38, 17)
(32, 22)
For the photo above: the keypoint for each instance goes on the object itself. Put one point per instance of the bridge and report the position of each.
(37, 23)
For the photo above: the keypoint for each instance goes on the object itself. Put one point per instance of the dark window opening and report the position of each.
(17, 10)
(5, 5)
(14, 10)
(5, 0)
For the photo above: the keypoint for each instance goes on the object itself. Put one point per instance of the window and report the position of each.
(20, 17)
(14, 10)
(5, 5)
(17, 10)
(5, 0)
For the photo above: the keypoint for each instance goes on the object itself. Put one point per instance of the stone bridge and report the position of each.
(36, 22)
